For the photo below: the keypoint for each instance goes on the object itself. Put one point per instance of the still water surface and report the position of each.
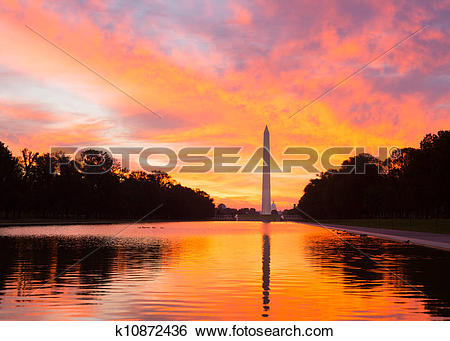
(216, 271)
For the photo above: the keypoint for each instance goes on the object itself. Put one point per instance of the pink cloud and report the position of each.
(241, 15)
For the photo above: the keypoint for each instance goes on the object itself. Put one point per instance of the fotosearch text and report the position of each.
(100, 160)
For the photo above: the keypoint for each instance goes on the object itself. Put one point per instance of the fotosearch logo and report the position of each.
(100, 160)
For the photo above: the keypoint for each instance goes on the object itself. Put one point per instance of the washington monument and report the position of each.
(266, 208)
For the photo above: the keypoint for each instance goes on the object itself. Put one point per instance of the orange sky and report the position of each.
(218, 72)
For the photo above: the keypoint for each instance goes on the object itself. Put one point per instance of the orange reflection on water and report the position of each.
(214, 271)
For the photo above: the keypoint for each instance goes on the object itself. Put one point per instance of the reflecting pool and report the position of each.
(216, 271)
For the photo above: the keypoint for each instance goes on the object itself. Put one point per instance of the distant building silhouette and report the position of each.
(274, 207)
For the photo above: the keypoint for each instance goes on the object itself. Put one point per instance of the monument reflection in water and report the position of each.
(266, 269)
(216, 271)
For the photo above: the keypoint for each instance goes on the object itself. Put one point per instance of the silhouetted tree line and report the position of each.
(56, 186)
(414, 185)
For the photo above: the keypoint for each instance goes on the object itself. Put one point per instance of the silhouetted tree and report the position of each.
(91, 186)
(10, 176)
(28, 160)
(416, 184)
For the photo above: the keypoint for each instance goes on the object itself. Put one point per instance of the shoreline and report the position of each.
(87, 222)
(427, 239)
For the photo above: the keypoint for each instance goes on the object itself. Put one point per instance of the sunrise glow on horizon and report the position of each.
(217, 73)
